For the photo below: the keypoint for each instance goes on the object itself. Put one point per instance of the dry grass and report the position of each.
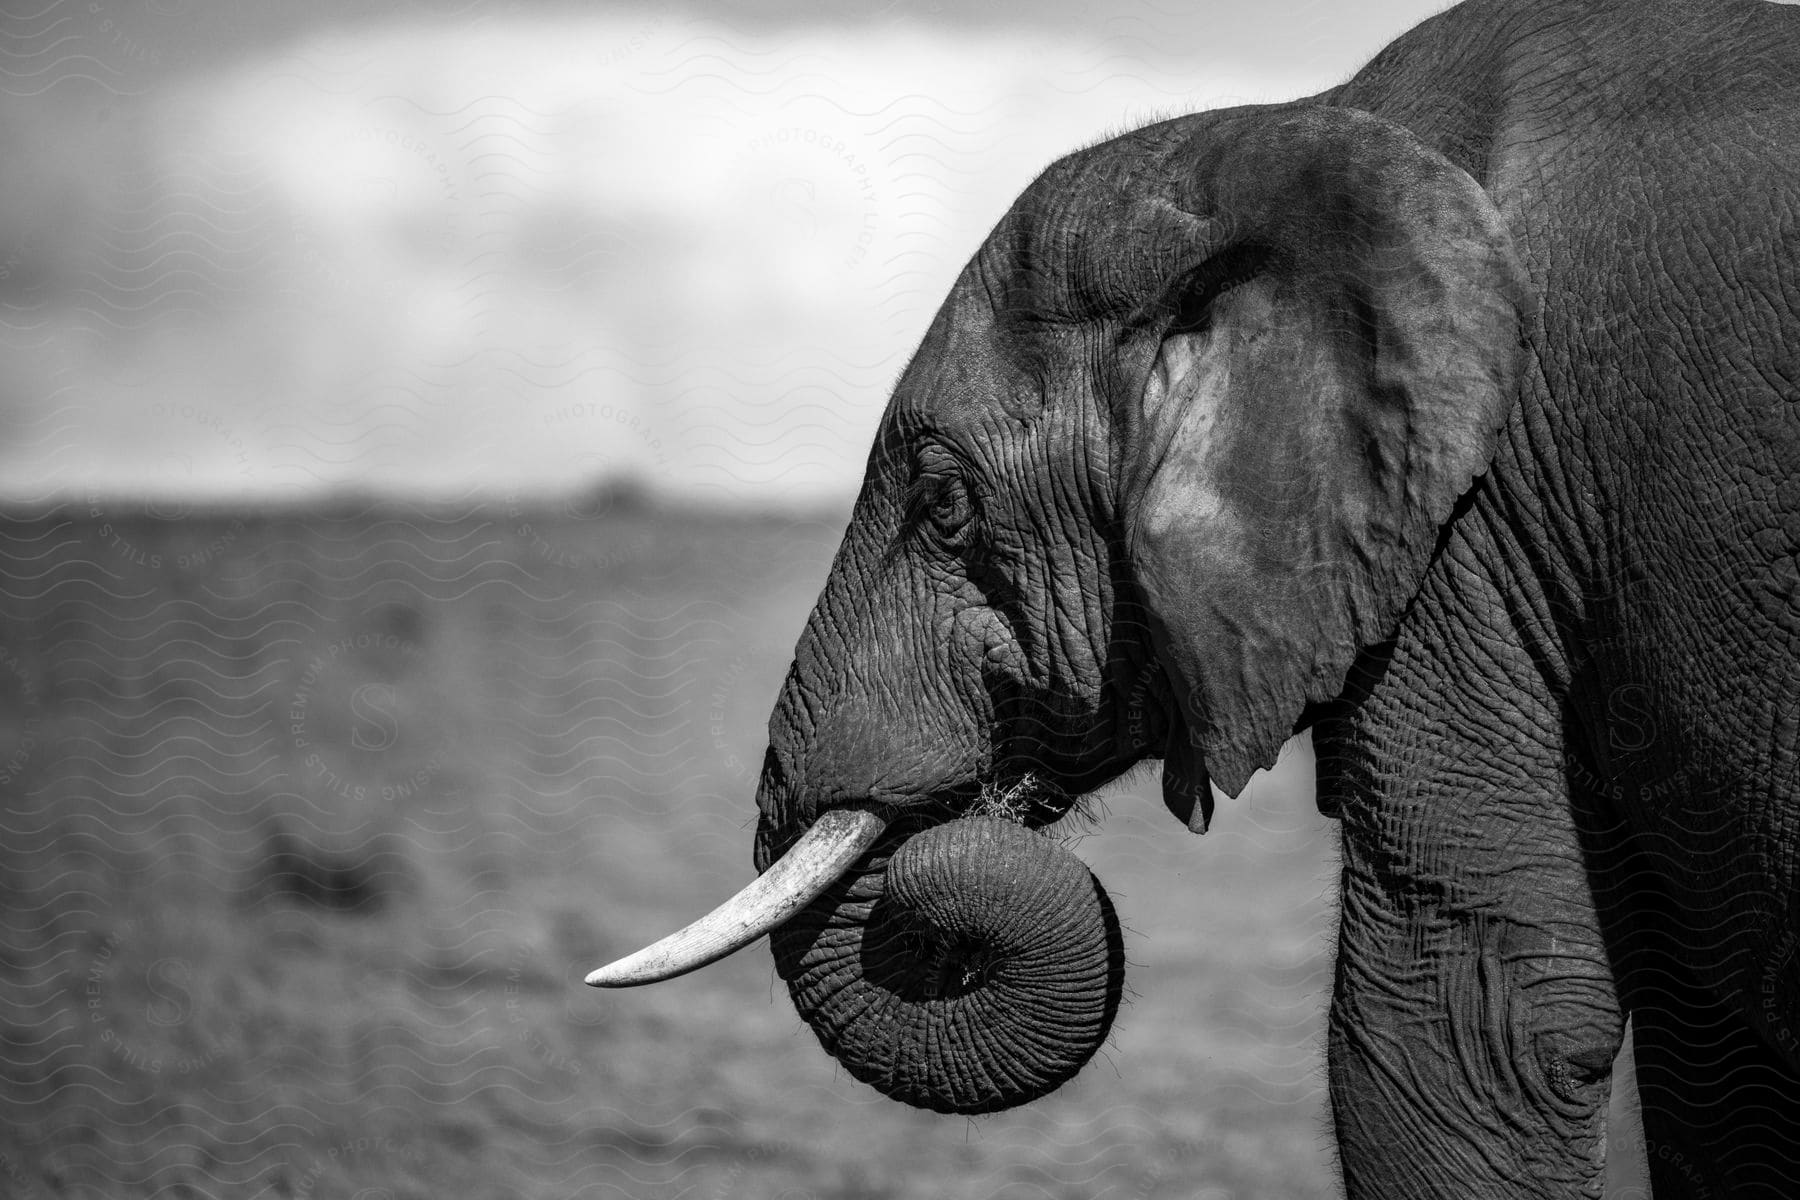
(313, 824)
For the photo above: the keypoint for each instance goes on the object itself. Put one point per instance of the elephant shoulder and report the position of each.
(1486, 75)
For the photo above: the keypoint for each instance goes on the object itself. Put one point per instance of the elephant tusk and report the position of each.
(813, 864)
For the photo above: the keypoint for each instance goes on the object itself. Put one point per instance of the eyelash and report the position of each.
(924, 497)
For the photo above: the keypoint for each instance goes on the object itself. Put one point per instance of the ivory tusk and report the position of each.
(813, 864)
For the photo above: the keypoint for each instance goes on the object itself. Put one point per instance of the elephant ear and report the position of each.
(1338, 338)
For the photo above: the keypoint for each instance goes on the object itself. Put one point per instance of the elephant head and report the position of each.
(1175, 450)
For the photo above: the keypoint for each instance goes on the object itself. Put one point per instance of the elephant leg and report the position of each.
(1473, 1024)
(1721, 1107)
(1455, 1073)
(1720, 1100)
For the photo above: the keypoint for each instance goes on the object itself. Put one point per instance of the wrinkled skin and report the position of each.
(1453, 413)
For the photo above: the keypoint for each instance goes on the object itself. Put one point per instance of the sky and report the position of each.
(260, 252)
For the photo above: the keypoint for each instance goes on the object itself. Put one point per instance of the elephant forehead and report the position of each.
(1076, 258)
(1095, 236)
(1092, 240)
(969, 357)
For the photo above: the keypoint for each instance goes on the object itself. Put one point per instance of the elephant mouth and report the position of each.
(1027, 798)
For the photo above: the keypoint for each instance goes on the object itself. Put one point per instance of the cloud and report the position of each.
(523, 253)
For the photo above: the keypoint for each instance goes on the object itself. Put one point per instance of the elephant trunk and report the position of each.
(969, 967)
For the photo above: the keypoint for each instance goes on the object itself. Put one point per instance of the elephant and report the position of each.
(1451, 414)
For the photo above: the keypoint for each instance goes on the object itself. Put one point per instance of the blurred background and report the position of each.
(423, 430)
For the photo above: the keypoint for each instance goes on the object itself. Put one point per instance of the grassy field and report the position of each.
(314, 822)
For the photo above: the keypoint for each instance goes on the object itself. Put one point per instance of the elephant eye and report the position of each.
(948, 505)
(939, 498)
(1573, 1073)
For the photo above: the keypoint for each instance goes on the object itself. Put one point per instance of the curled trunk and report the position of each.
(969, 967)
